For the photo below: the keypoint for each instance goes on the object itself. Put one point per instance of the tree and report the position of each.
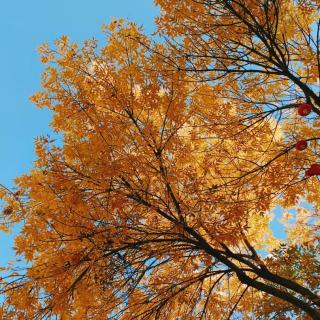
(157, 204)
(265, 54)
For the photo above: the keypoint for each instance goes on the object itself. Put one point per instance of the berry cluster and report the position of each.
(303, 110)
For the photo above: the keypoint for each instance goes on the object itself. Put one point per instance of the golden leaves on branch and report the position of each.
(151, 207)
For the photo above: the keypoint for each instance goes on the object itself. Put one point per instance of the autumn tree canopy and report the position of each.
(157, 202)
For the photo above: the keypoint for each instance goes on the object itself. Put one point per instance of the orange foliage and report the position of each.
(162, 192)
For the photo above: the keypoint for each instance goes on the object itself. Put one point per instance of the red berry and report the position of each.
(314, 170)
(304, 109)
(315, 167)
(308, 173)
(301, 145)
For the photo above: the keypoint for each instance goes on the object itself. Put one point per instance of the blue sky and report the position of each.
(24, 25)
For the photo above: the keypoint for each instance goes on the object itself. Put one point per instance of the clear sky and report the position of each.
(24, 25)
